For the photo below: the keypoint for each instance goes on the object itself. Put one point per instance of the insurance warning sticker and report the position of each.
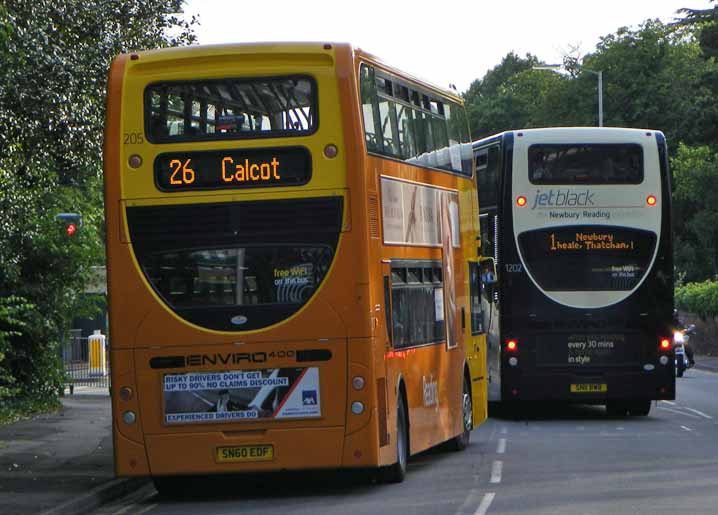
(237, 395)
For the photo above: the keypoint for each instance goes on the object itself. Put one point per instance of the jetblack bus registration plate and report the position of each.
(589, 388)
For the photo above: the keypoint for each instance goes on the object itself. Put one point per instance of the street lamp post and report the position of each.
(556, 67)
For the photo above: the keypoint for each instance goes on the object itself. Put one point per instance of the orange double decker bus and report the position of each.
(293, 268)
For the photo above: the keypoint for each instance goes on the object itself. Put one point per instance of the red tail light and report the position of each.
(521, 201)
(665, 343)
(512, 345)
(651, 200)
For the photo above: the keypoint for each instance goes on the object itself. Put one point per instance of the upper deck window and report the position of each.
(401, 121)
(230, 109)
(586, 164)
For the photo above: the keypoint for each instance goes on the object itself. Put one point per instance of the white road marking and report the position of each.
(679, 412)
(148, 508)
(686, 428)
(470, 501)
(124, 510)
(502, 446)
(504, 430)
(485, 503)
(698, 412)
(619, 428)
(496, 469)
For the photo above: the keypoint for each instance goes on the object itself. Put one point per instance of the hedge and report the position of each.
(698, 298)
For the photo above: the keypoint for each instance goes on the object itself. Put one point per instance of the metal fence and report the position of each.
(86, 361)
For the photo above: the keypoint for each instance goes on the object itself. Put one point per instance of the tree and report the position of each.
(508, 96)
(706, 21)
(653, 78)
(695, 171)
(55, 56)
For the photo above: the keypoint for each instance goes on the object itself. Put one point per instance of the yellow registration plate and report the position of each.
(589, 388)
(245, 453)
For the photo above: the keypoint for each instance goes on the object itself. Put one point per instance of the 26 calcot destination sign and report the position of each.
(232, 169)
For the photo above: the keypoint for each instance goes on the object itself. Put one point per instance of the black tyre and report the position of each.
(680, 368)
(616, 409)
(397, 472)
(461, 441)
(172, 486)
(639, 408)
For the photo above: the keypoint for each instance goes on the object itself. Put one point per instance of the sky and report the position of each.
(443, 42)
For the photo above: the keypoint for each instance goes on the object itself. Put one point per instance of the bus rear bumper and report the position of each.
(291, 449)
(591, 389)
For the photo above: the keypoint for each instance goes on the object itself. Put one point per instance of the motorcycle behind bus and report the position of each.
(680, 341)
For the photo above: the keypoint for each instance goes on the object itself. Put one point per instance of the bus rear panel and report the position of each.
(586, 279)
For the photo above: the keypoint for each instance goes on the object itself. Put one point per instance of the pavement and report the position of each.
(707, 363)
(61, 463)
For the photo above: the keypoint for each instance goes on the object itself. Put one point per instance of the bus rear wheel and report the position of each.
(172, 486)
(616, 409)
(397, 472)
(639, 408)
(461, 441)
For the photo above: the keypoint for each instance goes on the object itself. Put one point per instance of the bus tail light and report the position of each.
(358, 383)
(651, 200)
(126, 393)
(521, 201)
(665, 344)
(512, 345)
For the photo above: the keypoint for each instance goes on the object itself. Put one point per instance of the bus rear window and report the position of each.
(586, 164)
(230, 109)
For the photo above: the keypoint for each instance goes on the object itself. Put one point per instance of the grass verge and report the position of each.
(15, 410)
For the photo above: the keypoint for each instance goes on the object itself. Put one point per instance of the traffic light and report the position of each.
(72, 221)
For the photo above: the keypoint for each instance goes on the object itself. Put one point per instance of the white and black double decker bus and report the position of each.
(578, 223)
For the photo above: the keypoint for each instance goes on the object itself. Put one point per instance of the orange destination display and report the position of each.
(183, 171)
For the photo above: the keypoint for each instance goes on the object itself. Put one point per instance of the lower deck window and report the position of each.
(417, 300)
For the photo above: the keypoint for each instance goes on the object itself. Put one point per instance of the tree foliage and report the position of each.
(695, 197)
(706, 20)
(653, 76)
(56, 56)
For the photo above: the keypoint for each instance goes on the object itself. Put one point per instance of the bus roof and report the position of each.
(563, 132)
(195, 52)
